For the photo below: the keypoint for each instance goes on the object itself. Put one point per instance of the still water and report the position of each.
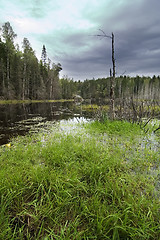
(18, 119)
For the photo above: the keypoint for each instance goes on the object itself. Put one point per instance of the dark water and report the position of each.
(18, 119)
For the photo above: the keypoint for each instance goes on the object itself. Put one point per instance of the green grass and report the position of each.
(94, 107)
(101, 183)
(32, 101)
(120, 128)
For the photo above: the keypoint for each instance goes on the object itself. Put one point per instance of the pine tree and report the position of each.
(29, 68)
(44, 56)
(8, 36)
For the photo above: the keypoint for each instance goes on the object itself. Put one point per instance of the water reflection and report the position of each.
(18, 119)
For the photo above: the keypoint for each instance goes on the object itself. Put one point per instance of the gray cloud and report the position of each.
(137, 38)
(35, 8)
(134, 23)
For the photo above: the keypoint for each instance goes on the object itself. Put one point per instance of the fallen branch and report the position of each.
(157, 129)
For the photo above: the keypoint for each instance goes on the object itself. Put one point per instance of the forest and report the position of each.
(125, 87)
(23, 77)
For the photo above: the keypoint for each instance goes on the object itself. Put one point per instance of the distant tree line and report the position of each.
(22, 76)
(125, 87)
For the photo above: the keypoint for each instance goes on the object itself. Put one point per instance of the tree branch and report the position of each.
(104, 34)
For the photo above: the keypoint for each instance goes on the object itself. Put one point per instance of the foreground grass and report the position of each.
(98, 184)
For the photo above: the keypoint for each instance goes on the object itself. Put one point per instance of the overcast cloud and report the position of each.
(67, 29)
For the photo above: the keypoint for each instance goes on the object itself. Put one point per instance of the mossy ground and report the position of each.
(100, 182)
(32, 101)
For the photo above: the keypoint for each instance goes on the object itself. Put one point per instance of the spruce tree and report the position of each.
(44, 56)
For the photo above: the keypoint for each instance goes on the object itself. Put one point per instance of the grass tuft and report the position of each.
(101, 183)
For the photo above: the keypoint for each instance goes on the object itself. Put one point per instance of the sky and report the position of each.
(68, 29)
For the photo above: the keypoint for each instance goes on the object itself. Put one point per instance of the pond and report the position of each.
(18, 119)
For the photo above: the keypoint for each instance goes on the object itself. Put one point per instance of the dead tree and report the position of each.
(112, 95)
(112, 74)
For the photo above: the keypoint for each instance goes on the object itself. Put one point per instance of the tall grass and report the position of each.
(98, 184)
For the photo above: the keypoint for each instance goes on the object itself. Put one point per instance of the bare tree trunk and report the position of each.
(23, 82)
(112, 77)
(8, 77)
(51, 89)
(3, 79)
(111, 95)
